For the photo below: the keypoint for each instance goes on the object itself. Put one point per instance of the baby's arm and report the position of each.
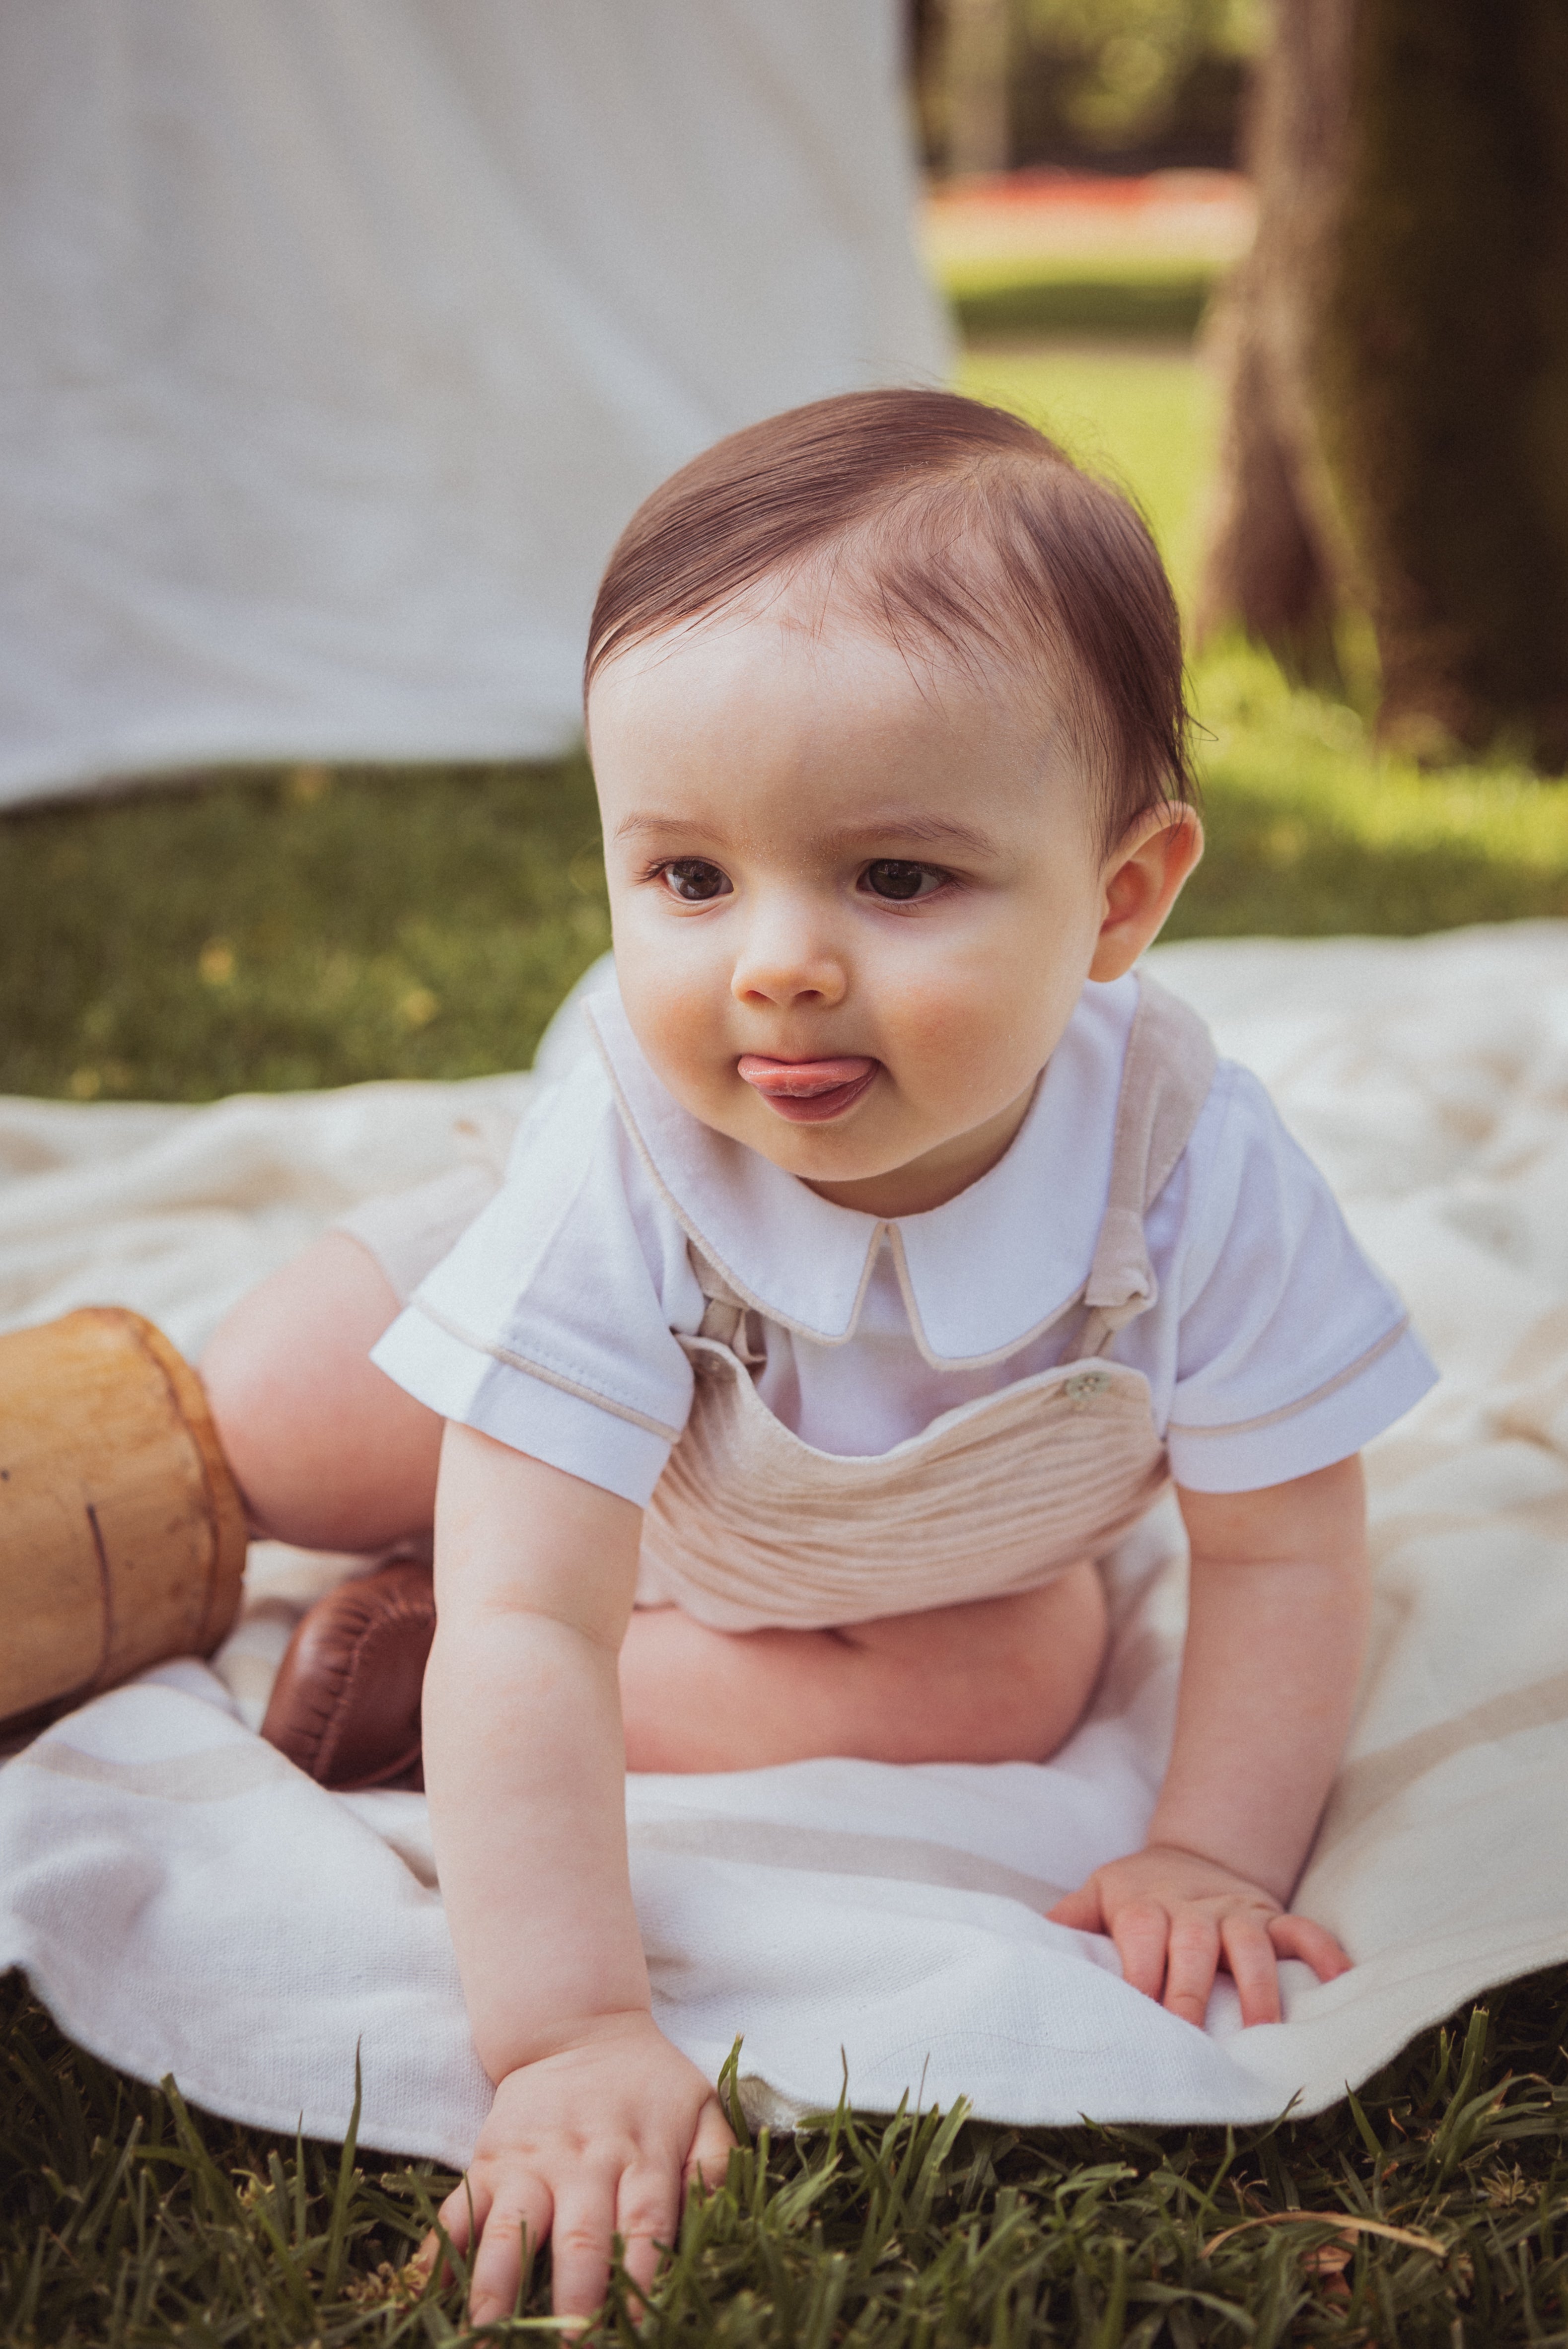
(1277, 1631)
(597, 2120)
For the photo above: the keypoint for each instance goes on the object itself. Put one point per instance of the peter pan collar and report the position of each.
(980, 1276)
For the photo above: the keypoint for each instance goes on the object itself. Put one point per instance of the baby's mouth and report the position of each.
(808, 1092)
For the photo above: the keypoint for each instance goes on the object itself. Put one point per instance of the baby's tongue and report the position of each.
(800, 1080)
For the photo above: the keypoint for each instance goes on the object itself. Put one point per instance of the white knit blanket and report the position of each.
(186, 1902)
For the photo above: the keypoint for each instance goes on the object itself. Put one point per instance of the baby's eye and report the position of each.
(890, 877)
(693, 879)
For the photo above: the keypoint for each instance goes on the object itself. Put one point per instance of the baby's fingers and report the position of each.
(1191, 1965)
(518, 2217)
(711, 2146)
(1298, 1937)
(459, 2219)
(585, 2220)
(1079, 1911)
(1142, 1931)
(647, 2210)
(1250, 1955)
(463, 2216)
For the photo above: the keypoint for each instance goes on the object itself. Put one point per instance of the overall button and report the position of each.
(1085, 1383)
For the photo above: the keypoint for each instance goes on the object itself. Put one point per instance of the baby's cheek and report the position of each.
(951, 1037)
(677, 1029)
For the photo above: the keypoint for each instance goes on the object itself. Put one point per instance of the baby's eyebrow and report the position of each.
(920, 831)
(630, 826)
(908, 828)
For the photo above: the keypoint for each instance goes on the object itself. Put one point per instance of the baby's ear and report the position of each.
(1141, 881)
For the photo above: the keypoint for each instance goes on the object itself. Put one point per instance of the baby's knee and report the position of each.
(1060, 1637)
(289, 1330)
(242, 1367)
(290, 1384)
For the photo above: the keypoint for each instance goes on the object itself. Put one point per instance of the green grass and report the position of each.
(1433, 2210)
(307, 930)
(1310, 834)
(1146, 418)
(1067, 294)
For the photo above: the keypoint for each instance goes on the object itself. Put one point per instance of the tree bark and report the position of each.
(1278, 558)
(1397, 366)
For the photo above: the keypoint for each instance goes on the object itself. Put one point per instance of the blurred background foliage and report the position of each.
(1123, 84)
(1158, 79)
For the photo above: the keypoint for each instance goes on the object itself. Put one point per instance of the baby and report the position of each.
(893, 1247)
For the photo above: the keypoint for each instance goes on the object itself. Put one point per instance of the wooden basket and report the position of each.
(122, 1534)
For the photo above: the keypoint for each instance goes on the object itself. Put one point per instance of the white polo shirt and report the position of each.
(1273, 1347)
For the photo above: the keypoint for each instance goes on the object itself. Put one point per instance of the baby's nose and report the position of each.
(782, 964)
(788, 984)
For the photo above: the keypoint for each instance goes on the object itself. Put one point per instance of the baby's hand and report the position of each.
(1176, 1917)
(598, 2141)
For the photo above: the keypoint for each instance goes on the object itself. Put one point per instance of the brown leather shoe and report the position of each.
(345, 1704)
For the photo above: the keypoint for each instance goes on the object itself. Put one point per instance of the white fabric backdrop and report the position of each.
(342, 337)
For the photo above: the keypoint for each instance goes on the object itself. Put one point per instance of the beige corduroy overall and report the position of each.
(750, 1526)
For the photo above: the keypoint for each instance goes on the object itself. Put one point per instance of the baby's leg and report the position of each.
(331, 1454)
(995, 1679)
(327, 1451)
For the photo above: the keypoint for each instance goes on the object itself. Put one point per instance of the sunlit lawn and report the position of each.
(1146, 414)
(1088, 295)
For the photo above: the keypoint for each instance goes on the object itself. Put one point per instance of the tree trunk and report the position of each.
(1278, 561)
(975, 84)
(1396, 361)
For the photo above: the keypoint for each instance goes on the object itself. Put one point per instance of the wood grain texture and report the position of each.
(122, 1537)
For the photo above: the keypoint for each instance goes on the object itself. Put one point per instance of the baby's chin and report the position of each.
(857, 1146)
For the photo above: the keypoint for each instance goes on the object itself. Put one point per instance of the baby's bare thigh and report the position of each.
(327, 1450)
(998, 1679)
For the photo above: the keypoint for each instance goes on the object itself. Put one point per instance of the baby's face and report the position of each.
(854, 900)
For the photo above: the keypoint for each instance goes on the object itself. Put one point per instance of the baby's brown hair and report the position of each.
(944, 520)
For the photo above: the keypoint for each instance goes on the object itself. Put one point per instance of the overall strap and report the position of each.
(1165, 1079)
(726, 1317)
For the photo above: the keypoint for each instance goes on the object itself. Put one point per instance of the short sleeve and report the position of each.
(551, 1324)
(1292, 1350)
